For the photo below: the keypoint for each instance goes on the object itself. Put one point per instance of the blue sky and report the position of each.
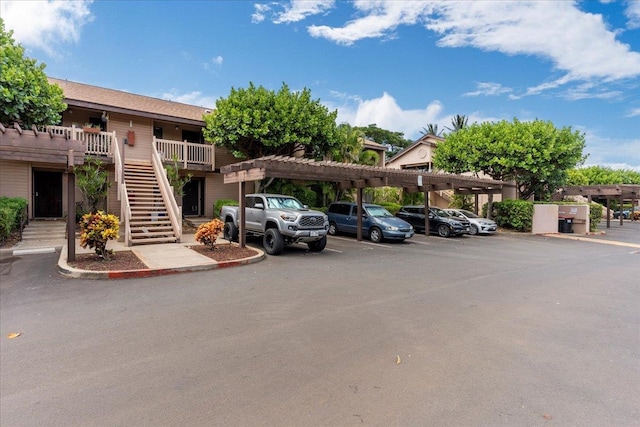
(398, 64)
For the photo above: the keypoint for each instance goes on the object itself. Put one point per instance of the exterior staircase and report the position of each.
(150, 221)
(44, 232)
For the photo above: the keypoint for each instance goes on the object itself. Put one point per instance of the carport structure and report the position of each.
(348, 176)
(620, 192)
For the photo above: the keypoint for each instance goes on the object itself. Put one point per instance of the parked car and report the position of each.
(377, 223)
(477, 224)
(440, 222)
(625, 214)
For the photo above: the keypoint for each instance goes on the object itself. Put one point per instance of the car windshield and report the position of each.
(284, 203)
(440, 212)
(378, 212)
(469, 214)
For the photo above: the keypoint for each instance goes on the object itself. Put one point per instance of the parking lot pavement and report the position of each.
(483, 330)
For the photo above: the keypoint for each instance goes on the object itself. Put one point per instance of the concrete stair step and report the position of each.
(150, 240)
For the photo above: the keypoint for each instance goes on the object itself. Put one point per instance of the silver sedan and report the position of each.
(478, 225)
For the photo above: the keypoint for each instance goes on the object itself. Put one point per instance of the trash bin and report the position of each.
(564, 225)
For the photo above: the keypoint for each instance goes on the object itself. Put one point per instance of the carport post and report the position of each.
(620, 210)
(426, 210)
(242, 238)
(608, 212)
(359, 212)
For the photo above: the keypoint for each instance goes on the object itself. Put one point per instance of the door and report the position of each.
(47, 194)
(192, 198)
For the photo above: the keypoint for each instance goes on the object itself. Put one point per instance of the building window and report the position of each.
(192, 136)
(157, 132)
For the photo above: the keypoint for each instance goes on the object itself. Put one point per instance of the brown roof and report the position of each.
(83, 95)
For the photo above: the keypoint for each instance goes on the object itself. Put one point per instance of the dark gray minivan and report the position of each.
(377, 223)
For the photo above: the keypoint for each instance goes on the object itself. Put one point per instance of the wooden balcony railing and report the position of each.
(97, 143)
(104, 144)
(185, 152)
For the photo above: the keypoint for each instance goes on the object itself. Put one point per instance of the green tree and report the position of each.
(602, 175)
(534, 154)
(256, 122)
(394, 140)
(26, 96)
(93, 181)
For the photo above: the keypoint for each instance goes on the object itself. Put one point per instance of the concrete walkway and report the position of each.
(161, 259)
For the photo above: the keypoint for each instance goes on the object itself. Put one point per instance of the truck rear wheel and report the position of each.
(230, 232)
(273, 242)
(317, 245)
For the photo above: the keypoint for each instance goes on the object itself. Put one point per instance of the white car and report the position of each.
(478, 225)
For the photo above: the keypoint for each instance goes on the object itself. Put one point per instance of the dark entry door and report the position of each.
(47, 194)
(192, 198)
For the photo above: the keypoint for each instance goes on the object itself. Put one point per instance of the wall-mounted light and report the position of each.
(177, 127)
(105, 116)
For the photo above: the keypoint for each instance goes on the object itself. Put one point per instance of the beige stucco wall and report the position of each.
(421, 154)
(545, 219)
(15, 179)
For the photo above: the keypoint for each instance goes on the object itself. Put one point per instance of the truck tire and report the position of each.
(230, 232)
(273, 242)
(333, 228)
(317, 245)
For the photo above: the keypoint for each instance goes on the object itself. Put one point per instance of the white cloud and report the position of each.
(191, 98)
(260, 11)
(215, 62)
(380, 18)
(45, 24)
(294, 11)
(489, 89)
(606, 151)
(578, 44)
(387, 114)
(634, 112)
(633, 14)
(300, 9)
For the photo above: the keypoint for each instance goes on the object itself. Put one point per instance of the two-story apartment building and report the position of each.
(133, 135)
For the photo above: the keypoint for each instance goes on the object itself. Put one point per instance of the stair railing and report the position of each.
(175, 211)
(125, 207)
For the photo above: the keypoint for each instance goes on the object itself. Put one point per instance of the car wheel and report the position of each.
(375, 234)
(230, 232)
(473, 229)
(273, 242)
(317, 245)
(444, 230)
(333, 228)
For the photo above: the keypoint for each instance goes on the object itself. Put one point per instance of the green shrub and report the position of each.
(220, 203)
(391, 207)
(513, 214)
(11, 209)
(595, 215)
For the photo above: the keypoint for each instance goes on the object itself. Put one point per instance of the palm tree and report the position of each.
(351, 144)
(431, 129)
(459, 121)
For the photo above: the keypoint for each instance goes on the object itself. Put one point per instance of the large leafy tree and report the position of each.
(26, 96)
(536, 155)
(602, 175)
(394, 140)
(256, 122)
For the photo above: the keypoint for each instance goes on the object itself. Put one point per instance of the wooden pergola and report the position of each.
(349, 176)
(33, 145)
(620, 192)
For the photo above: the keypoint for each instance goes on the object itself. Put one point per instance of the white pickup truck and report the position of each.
(280, 220)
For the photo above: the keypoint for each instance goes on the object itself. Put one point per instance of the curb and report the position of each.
(74, 273)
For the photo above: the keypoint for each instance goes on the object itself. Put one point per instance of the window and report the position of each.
(192, 136)
(97, 122)
(157, 132)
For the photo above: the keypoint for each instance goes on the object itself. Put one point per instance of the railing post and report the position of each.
(185, 153)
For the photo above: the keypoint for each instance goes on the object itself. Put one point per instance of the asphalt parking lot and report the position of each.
(486, 330)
